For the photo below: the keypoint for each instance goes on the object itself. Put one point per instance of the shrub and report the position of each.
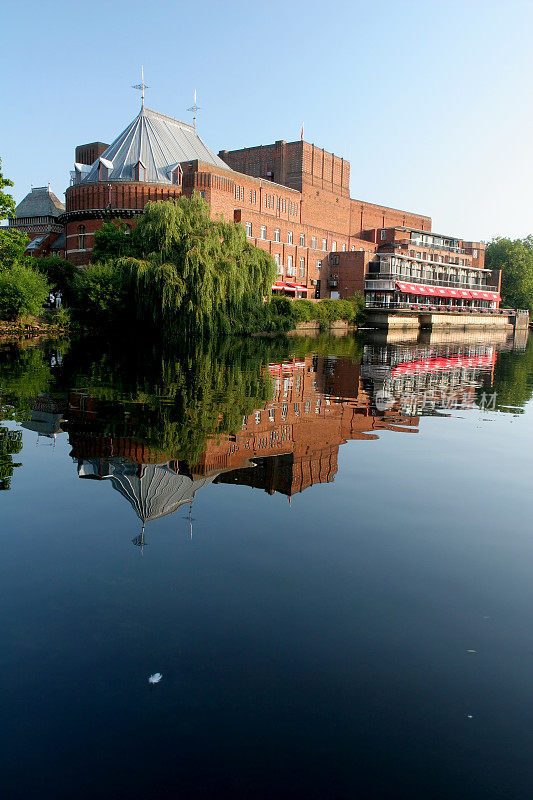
(23, 292)
(281, 306)
(105, 289)
(303, 310)
(61, 318)
(61, 275)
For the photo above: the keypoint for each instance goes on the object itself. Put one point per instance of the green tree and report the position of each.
(23, 292)
(13, 245)
(188, 274)
(112, 241)
(515, 258)
(7, 204)
(10, 445)
(61, 275)
(104, 290)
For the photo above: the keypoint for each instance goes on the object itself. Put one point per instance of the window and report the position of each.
(139, 171)
(474, 253)
(102, 172)
(324, 244)
(252, 196)
(352, 248)
(383, 234)
(257, 417)
(81, 237)
(277, 235)
(248, 228)
(302, 268)
(263, 231)
(290, 270)
(344, 248)
(271, 415)
(276, 258)
(176, 175)
(334, 246)
(313, 242)
(318, 265)
(302, 240)
(289, 237)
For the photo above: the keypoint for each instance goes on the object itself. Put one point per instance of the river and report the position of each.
(323, 546)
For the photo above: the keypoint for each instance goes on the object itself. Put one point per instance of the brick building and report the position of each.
(39, 216)
(293, 199)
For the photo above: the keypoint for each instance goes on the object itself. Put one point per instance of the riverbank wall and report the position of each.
(412, 320)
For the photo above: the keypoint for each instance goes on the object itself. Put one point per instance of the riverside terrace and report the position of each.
(410, 269)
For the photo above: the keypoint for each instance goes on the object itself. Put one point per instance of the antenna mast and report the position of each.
(194, 108)
(141, 86)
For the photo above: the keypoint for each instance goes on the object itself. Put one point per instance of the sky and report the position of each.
(431, 102)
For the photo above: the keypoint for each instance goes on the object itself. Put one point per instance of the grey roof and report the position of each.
(159, 142)
(60, 242)
(40, 202)
(153, 490)
(37, 242)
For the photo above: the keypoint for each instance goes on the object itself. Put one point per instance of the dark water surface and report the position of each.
(324, 547)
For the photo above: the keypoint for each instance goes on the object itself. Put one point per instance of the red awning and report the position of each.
(443, 364)
(281, 286)
(481, 295)
(445, 291)
(297, 287)
(285, 366)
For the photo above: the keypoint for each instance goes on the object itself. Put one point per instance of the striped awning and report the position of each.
(445, 291)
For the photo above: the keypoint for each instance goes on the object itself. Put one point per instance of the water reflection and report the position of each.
(272, 416)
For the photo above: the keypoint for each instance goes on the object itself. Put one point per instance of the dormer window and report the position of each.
(80, 172)
(177, 175)
(139, 172)
(104, 168)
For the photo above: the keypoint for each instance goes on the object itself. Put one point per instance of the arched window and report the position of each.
(139, 172)
(81, 237)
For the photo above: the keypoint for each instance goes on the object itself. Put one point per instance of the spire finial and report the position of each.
(194, 108)
(141, 86)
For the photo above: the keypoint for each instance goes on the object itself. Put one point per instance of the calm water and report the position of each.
(324, 547)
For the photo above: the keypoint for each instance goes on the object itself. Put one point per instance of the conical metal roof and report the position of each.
(159, 143)
(153, 490)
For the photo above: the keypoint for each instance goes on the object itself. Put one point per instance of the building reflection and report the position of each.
(293, 441)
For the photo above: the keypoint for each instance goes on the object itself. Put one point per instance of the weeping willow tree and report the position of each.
(191, 274)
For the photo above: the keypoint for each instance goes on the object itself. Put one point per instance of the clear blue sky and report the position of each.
(431, 102)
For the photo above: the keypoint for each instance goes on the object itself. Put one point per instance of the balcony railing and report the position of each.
(440, 308)
(413, 243)
(390, 276)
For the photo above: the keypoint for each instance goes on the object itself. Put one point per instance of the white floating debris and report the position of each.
(155, 678)
(471, 651)
(470, 716)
